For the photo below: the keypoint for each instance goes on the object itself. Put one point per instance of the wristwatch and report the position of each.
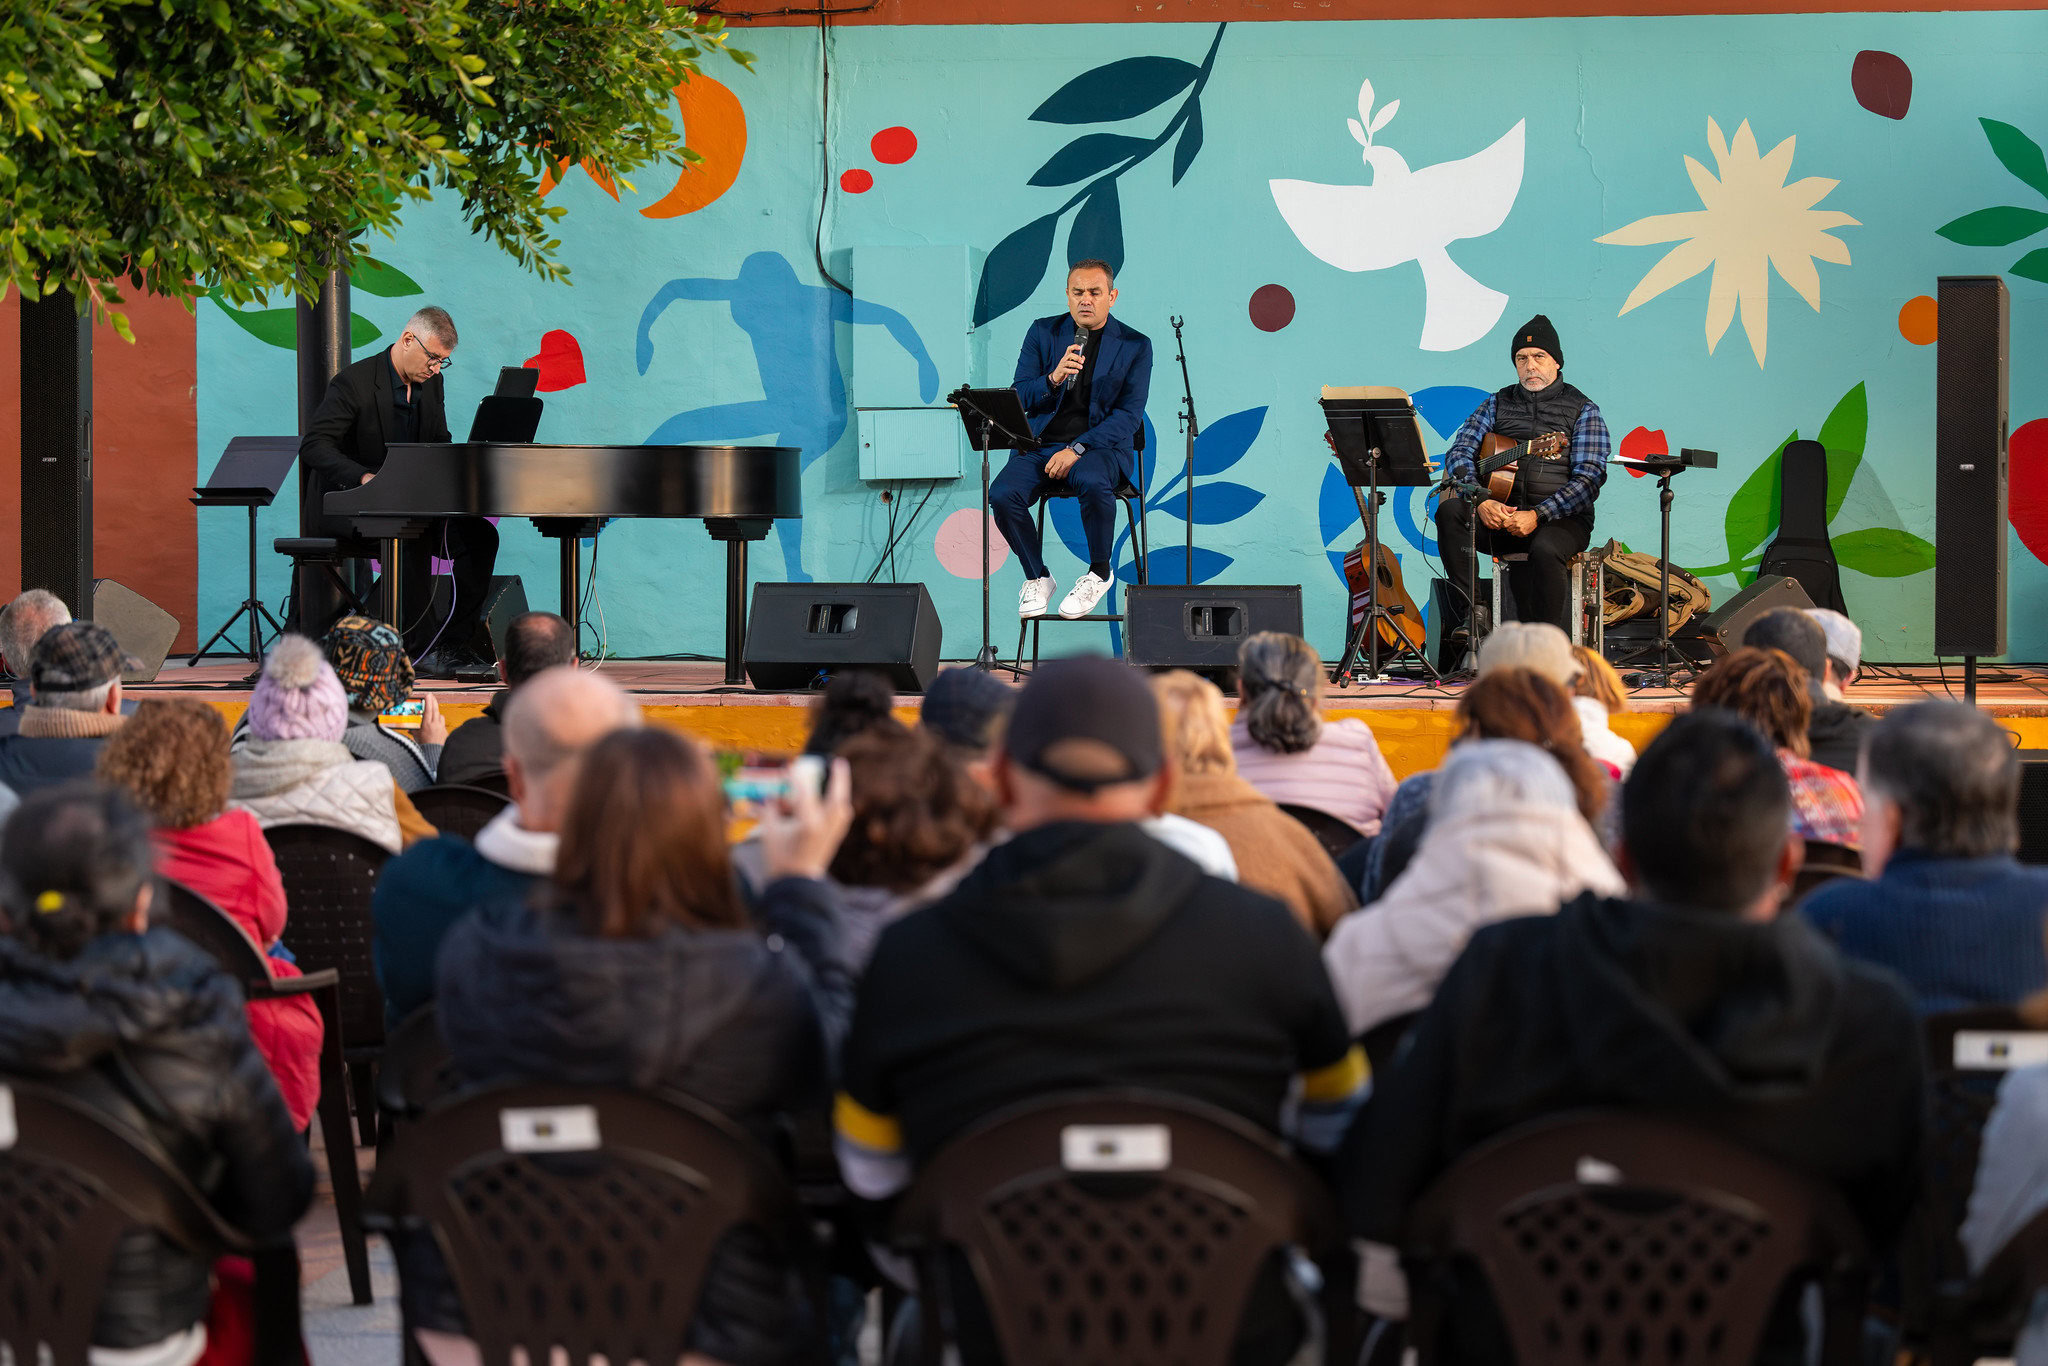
(1077, 448)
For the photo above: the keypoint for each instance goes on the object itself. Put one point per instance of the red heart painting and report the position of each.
(2026, 477)
(1640, 444)
(560, 361)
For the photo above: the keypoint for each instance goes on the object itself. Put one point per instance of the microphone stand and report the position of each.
(1187, 420)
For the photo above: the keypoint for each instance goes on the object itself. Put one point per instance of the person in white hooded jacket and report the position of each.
(1504, 839)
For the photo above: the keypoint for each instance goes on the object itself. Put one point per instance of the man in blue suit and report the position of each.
(1083, 378)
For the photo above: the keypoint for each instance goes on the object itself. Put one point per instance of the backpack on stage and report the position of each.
(1632, 586)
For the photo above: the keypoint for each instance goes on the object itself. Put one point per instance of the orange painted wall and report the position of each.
(1252, 11)
(145, 430)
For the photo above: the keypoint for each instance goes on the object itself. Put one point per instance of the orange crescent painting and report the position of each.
(715, 127)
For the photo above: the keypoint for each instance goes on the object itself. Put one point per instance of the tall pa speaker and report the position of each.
(2033, 806)
(142, 628)
(1173, 626)
(1970, 385)
(56, 449)
(797, 632)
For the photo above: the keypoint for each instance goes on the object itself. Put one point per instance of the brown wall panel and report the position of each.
(145, 430)
(1212, 11)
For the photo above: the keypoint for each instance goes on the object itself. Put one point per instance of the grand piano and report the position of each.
(568, 492)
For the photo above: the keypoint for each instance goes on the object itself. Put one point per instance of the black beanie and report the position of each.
(1537, 332)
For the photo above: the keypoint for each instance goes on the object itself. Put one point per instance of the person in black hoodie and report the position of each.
(638, 967)
(1084, 953)
(1695, 1000)
(141, 1026)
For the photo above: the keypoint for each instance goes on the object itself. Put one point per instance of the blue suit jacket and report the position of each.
(1117, 390)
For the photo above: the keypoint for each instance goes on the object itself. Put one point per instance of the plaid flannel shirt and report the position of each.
(1590, 448)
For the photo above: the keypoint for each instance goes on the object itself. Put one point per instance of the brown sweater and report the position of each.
(1275, 853)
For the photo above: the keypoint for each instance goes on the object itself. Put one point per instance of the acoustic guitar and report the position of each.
(1499, 458)
(1393, 594)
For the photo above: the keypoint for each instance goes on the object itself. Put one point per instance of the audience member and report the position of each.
(967, 709)
(920, 822)
(1598, 697)
(1507, 704)
(1695, 998)
(1084, 953)
(370, 660)
(638, 967)
(2012, 1180)
(139, 1026)
(1284, 747)
(1767, 688)
(22, 623)
(550, 720)
(852, 703)
(75, 684)
(292, 767)
(172, 758)
(1505, 838)
(475, 749)
(1274, 853)
(1834, 729)
(1948, 907)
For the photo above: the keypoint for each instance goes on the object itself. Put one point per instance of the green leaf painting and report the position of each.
(1843, 434)
(386, 282)
(1999, 227)
(1753, 512)
(2004, 224)
(2018, 153)
(279, 327)
(1883, 552)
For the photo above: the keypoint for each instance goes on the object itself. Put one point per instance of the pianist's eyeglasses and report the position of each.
(446, 362)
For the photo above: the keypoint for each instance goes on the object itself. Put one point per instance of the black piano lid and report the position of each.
(484, 479)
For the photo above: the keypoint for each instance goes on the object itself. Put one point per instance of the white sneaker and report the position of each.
(1087, 591)
(1036, 597)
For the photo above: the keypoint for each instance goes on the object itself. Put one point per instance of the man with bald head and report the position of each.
(549, 722)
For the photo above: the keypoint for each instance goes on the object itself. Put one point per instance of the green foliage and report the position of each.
(187, 148)
(1883, 552)
(2004, 224)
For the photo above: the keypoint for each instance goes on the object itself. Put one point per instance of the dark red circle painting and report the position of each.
(1272, 308)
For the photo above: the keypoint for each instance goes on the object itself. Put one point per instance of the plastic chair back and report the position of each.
(328, 877)
(1333, 834)
(1609, 1238)
(458, 809)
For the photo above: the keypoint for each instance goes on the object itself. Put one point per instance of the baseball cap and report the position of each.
(1091, 699)
(1536, 646)
(1797, 634)
(963, 707)
(76, 657)
(1845, 637)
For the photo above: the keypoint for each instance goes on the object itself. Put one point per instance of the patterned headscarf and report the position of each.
(370, 660)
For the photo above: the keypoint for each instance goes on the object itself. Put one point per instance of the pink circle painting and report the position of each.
(856, 181)
(893, 146)
(957, 543)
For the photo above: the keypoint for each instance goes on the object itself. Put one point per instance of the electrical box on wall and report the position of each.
(910, 443)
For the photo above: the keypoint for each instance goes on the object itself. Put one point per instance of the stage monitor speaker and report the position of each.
(2033, 806)
(503, 600)
(1705, 639)
(799, 632)
(143, 629)
(1970, 389)
(1174, 626)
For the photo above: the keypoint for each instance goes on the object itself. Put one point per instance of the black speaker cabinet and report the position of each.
(503, 600)
(143, 629)
(1705, 639)
(1173, 626)
(2033, 806)
(799, 631)
(56, 450)
(1970, 387)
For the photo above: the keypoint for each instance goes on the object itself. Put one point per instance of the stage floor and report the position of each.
(1413, 721)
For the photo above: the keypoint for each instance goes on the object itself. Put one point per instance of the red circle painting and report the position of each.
(1272, 307)
(856, 181)
(893, 146)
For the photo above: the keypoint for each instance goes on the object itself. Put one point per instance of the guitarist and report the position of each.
(1550, 515)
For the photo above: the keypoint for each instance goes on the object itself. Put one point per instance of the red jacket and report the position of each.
(228, 862)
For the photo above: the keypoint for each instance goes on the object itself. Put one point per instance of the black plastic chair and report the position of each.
(71, 1186)
(459, 809)
(1607, 1237)
(329, 875)
(578, 1217)
(1981, 1318)
(1109, 1226)
(1825, 862)
(1968, 1054)
(1333, 834)
(415, 1072)
(223, 940)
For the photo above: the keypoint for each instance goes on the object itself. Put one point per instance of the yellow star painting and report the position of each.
(1750, 221)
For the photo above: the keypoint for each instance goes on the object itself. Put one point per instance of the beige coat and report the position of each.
(1275, 853)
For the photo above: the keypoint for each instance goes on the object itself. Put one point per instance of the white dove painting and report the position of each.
(1412, 215)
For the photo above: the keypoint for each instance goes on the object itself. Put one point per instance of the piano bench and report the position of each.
(321, 593)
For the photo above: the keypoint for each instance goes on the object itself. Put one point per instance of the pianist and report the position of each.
(391, 397)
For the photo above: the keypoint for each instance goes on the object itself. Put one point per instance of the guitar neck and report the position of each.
(1500, 461)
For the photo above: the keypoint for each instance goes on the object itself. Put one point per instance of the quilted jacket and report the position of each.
(316, 782)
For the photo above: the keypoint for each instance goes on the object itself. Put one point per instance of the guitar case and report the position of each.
(1802, 550)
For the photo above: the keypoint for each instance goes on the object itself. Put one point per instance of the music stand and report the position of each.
(1378, 440)
(1667, 661)
(248, 475)
(506, 419)
(995, 420)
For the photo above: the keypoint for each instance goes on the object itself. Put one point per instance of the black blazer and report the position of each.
(348, 433)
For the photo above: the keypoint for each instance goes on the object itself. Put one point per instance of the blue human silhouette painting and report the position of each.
(792, 326)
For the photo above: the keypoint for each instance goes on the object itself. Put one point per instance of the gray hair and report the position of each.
(1488, 774)
(1279, 679)
(23, 622)
(435, 322)
(1953, 774)
(85, 699)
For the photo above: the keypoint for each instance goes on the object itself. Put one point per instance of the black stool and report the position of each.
(1132, 496)
(321, 593)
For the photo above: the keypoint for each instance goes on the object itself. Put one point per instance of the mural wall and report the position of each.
(1736, 224)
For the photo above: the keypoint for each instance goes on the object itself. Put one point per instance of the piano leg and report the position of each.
(735, 610)
(572, 579)
(392, 551)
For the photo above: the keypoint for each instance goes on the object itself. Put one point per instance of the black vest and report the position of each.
(1519, 415)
